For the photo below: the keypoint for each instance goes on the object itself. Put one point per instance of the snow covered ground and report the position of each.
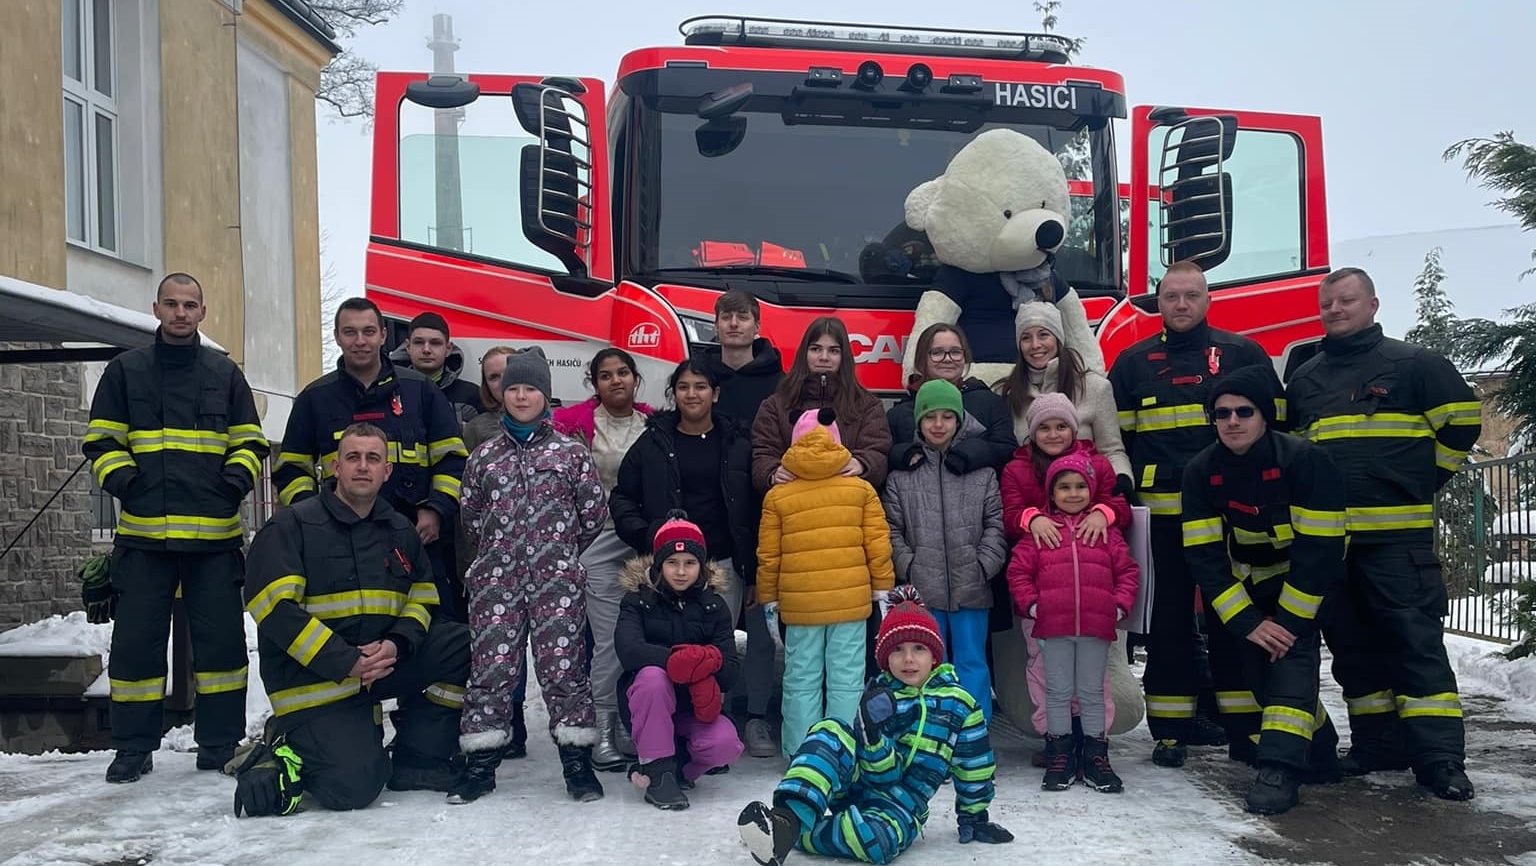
(55, 809)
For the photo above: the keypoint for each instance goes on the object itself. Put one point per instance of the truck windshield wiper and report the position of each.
(806, 274)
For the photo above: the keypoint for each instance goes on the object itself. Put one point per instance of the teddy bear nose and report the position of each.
(1050, 234)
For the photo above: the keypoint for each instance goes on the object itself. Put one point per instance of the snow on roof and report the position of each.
(38, 314)
(1514, 524)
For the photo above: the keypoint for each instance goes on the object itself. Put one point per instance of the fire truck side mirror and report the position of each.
(442, 91)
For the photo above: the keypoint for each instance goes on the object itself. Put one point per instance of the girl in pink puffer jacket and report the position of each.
(1076, 594)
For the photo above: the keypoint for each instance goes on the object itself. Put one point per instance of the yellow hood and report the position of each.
(816, 455)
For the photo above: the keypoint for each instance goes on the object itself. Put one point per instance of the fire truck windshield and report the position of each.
(759, 195)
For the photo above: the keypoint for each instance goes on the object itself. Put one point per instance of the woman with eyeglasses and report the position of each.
(942, 352)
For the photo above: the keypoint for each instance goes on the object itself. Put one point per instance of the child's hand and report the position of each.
(876, 707)
(782, 475)
(1093, 528)
(853, 468)
(1047, 534)
(976, 828)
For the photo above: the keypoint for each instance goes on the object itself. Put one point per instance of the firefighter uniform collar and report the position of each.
(386, 377)
(1354, 344)
(176, 354)
(343, 513)
(1199, 336)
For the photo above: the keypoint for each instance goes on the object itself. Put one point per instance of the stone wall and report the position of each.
(42, 421)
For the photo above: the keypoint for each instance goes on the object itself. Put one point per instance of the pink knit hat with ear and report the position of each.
(810, 419)
(1052, 406)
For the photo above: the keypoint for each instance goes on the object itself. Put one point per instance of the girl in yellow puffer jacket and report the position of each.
(824, 557)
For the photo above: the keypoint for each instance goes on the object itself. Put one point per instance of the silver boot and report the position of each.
(606, 755)
(621, 738)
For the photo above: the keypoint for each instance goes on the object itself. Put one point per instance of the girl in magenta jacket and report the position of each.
(1075, 592)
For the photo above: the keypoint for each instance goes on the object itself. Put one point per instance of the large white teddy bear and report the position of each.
(994, 218)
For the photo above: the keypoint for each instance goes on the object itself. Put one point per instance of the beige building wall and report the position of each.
(31, 142)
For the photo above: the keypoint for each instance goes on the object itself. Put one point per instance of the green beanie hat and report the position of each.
(936, 395)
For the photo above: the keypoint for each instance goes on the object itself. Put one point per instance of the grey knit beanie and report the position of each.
(527, 367)
(1038, 314)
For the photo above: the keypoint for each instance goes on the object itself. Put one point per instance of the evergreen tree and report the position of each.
(1436, 328)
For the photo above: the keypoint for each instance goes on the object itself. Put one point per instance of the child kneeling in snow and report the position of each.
(676, 641)
(860, 791)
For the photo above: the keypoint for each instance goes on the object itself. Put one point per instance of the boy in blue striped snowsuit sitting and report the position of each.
(860, 791)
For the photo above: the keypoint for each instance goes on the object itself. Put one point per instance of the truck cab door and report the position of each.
(1242, 194)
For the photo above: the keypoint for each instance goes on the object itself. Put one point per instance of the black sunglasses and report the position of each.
(1224, 412)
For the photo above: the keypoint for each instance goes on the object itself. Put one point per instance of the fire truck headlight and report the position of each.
(869, 76)
(699, 330)
(919, 76)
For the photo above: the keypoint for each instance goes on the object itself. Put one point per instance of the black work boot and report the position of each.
(1096, 771)
(662, 788)
(1203, 731)
(580, 782)
(478, 777)
(768, 833)
(214, 757)
(1448, 780)
(517, 747)
(1169, 753)
(129, 766)
(413, 771)
(1243, 750)
(1060, 763)
(1360, 761)
(1275, 790)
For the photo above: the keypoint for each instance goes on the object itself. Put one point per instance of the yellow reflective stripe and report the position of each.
(1171, 417)
(311, 639)
(1320, 716)
(185, 526)
(1259, 573)
(1311, 521)
(135, 691)
(1278, 537)
(1443, 705)
(1300, 603)
(1237, 702)
(354, 602)
(110, 462)
(289, 586)
(1148, 474)
(1367, 518)
(173, 439)
(247, 461)
(1231, 602)
(298, 459)
(415, 455)
(240, 434)
(424, 594)
(446, 485)
(1382, 424)
(1204, 531)
(214, 682)
(453, 446)
(1161, 503)
(1371, 704)
(1281, 408)
(1461, 413)
(293, 700)
(418, 613)
(293, 488)
(1171, 706)
(1127, 419)
(1288, 720)
(445, 695)
(1449, 459)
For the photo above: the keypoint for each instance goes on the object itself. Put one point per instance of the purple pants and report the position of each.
(656, 724)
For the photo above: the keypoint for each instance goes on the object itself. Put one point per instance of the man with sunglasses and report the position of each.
(1398, 420)
(1263, 528)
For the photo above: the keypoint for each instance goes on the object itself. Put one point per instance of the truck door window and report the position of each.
(460, 184)
(1268, 218)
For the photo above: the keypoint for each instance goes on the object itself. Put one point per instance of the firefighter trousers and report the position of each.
(147, 583)
(1173, 677)
(1389, 657)
(345, 765)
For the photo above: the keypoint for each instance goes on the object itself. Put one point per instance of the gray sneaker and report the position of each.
(759, 737)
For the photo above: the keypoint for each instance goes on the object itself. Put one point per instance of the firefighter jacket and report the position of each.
(1396, 418)
(1161, 385)
(175, 437)
(1275, 513)
(425, 443)
(322, 581)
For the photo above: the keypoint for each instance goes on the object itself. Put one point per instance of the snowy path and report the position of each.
(55, 809)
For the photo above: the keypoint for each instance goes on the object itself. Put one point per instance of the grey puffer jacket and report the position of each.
(946, 528)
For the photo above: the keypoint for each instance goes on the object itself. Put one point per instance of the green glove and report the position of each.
(270, 781)
(96, 589)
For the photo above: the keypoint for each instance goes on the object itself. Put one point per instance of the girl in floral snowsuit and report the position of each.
(532, 502)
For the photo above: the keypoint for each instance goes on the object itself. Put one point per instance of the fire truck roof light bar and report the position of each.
(788, 33)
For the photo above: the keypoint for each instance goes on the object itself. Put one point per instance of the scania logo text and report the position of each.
(872, 350)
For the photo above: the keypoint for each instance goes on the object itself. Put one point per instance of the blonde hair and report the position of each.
(490, 401)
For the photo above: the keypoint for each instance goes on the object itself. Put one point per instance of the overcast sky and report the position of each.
(1395, 81)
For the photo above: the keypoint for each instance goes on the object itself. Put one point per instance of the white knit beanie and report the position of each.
(1038, 314)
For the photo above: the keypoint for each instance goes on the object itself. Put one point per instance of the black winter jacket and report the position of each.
(743, 391)
(992, 448)
(648, 487)
(653, 619)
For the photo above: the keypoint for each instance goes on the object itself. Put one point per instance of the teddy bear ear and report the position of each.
(919, 200)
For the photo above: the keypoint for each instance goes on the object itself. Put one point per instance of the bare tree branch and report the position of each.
(346, 17)
(347, 85)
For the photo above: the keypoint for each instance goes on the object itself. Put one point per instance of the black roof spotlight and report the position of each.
(919, 76)
(869, 75)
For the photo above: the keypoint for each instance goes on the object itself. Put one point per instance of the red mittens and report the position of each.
(706, 699)
(691, 663)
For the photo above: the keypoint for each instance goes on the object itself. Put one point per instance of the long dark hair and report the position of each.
(1070, 379)
(849, 392)
(920, 358)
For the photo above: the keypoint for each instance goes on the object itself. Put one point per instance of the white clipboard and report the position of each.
(1138, 536)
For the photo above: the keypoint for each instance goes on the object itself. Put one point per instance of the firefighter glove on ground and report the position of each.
(270, 783)
(690, 663)
(976, 828)
(876, 707)
(706, 699)
(96, 589)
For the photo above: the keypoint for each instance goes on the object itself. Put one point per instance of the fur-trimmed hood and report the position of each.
(637, 574)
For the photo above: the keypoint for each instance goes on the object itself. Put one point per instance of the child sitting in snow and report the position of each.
(677, 644)
(860, 791)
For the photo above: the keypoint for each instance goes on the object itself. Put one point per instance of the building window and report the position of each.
(90, 124)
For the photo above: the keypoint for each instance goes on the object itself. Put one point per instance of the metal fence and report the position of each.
(1486, 540)
(257, 509)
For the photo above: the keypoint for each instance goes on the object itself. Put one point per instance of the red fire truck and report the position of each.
(775, 156)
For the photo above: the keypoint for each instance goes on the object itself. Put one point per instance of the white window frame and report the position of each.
(94, 104)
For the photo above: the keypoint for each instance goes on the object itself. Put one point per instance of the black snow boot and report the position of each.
(1448, 780)
(1169, 753)
(1323, 768)
(1060, 763)
(478, 777)
(1274, 790)
(214, 757)
(1205, 732)
(517, 747)
(1096, 771)
(768, 832)
(662, 787)
(1077, 744)
(412, 771)
(580, 782)
(129, 766)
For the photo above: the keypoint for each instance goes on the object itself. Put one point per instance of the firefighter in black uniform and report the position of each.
(1264, 538)
(175, 438)
(342, 594)
(1398, 420)
(425, 445)
(1161, 387)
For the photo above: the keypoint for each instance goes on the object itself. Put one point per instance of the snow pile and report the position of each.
(1482, 666)
(68, 636)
